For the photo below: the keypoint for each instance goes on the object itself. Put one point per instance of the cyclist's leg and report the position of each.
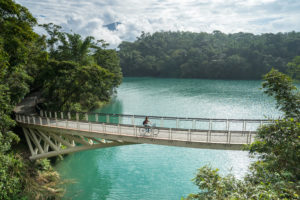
(148, 128)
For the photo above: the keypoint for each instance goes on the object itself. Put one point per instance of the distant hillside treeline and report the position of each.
(208, 55)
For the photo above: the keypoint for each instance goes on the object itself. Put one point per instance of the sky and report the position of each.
(87, 17)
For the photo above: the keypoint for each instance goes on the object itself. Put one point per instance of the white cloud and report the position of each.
(87, 17)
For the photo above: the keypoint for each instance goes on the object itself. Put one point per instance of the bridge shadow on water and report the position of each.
(143, 171)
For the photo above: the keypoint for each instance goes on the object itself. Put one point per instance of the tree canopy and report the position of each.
(208, 55)
(80, 72)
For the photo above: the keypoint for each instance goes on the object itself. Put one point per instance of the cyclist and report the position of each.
(147, 123)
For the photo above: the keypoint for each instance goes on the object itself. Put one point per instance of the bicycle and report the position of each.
(150, 130)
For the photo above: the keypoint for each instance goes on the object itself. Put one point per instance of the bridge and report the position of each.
(55, 133)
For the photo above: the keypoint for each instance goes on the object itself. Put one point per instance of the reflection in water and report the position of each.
(192, 98)
(116, 107)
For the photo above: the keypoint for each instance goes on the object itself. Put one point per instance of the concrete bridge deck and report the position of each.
(50, 134)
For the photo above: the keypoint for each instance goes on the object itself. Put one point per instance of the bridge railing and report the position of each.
(161, 121)
(172, 134)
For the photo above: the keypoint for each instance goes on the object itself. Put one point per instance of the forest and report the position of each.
(213, 55)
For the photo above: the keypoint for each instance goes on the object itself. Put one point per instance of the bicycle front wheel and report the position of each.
(155, 132)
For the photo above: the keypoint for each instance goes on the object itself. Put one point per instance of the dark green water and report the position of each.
(161, 172)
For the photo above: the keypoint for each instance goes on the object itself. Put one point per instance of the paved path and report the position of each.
(216, 139)
(27, 105)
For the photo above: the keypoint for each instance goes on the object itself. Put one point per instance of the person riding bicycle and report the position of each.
(147, 123)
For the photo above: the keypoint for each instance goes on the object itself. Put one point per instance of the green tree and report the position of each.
(76, 87)
(286, 94)
(81, 74)
(226, 56)
(21, 51)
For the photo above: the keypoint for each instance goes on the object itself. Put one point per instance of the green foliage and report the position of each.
(22, 54)
(19, 44)
(11, 171)
(278, 144)
(287, 97)
(204, 55)
(276, 173)
(294, 68)
(213, 186)
(73, 83)
(80, 74)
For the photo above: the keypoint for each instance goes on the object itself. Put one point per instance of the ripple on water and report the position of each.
(160, 172)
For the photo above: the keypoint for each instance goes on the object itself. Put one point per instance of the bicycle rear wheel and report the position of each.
(142, 131)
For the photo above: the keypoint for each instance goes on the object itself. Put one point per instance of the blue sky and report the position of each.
(87, 17)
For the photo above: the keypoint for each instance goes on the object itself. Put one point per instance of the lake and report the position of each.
(147, 172)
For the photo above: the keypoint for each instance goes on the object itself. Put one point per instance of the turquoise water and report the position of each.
(162, 172)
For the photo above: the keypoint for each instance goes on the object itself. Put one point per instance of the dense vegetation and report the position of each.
(204, 55)
(80, 73)
(276, 173)
(69, 72)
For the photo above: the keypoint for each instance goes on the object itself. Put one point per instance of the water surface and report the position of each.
(161, 172)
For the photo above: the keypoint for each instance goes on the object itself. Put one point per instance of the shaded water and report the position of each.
(161, 172)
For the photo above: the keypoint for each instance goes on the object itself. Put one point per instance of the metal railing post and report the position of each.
(177, 123)
(189, 135)
(41, 122)
(120, 119)
(96, 117)
(210, 125)
(227, 125)
(248, 138)
(61, 115)
(119, 129)
(207, 133)
(227, 138)
(162, 122)
(250, 134)
(132, 119)
(104, 127)
(86, 117)
(135, 131)
(244, 127)
(77, 116)
(107, 118)
(69, 115)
